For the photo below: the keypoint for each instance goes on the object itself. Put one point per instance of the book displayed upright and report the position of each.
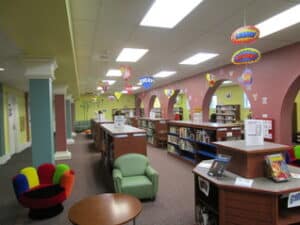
(277, 168)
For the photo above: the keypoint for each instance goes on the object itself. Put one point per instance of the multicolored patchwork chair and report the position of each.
(43, 190)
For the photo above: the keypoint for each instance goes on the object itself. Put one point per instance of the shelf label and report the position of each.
(294, 199)
(239, 181)
(229, 134)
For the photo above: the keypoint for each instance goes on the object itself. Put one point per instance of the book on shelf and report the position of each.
(277, 168)
(219, 165)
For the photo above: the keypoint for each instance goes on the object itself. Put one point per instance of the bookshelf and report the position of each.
(228, 113)
(192, 142)
(154, 128)
(128, 112)
(178, 113)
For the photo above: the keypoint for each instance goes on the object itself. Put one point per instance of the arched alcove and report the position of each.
(226, 92)
(286, 112)
(179, 104)
(171, 102)
(154, 106)
(139, 106)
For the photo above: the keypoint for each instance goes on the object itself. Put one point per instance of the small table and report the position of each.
(105, 209)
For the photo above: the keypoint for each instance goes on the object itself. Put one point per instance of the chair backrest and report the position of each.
(59, 171)
(31, 175)
(131, 164)
(46, 172)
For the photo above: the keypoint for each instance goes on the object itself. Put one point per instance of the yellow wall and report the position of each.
(184, 104)
(156, 103)
(86, 107)
(235, 99)
(297, 100)
(21, 110)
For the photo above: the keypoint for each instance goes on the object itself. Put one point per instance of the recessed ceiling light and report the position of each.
(198, 58)
(110, 82)
(2, 69)
(135, 88)
(280, 21)
(114, 73)
(164, 73)
(131, 54)
(168, 13)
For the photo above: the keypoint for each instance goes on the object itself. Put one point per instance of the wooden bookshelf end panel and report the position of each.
(130, 144)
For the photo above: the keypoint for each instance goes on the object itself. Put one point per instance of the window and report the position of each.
(247, 104)
(214, 102)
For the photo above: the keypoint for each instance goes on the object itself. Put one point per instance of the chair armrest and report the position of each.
(67, 181)
(117, 177)
(152, 174)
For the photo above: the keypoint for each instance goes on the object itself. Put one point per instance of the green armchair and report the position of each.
(133, 175)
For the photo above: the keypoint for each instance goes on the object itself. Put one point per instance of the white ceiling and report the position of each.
(103, 27)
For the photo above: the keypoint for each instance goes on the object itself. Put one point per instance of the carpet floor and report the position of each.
(174, 204)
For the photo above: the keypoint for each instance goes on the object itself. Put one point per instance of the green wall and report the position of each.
(235, 99)
(86, 107)
(182, 101)
(20, 96)
(297, 100)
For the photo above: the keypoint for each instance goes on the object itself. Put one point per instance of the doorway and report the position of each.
(13, 124)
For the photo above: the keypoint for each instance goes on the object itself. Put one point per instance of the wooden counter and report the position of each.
(119, 141)
(263, 203)
(97, 133)
(248, 161)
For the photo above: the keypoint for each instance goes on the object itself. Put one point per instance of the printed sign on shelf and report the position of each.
(294, 199)
(254, 132)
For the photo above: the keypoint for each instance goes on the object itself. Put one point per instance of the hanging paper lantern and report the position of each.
(118, 95)
(111, 98)
(210, 79)
(126, 72)
(245, 56)
(246, 78)
(245, 35)
(169, 92)
(147, 81)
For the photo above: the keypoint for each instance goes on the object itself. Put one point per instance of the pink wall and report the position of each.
(275, 77)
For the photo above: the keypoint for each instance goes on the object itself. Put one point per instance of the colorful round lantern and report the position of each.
(245, 35)
(147, 82)
(169, 92)
(245, 56)
(246, 78)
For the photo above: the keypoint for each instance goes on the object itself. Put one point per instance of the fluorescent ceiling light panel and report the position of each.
(227, 82)
(2, 69)
(110, 82)
(114, 73)
(131, 54)
(280, 21)
(164, 73)
(198, 58)
(168, 13)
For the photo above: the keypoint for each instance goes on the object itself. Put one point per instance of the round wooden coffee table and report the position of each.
(105, 209)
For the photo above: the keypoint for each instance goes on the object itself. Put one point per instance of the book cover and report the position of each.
(277, 168)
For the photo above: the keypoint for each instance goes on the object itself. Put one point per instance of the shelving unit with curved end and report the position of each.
(192, 142)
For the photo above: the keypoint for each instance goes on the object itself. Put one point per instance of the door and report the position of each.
(13, 124)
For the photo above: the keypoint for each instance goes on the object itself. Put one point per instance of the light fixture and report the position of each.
(99, 88)
(279, 21)
(110, 82)
(168, 13)
(124, 92)
(131, 54)
(163, 74)
(114, 73)
(198, 58)
(2, 69)
(135, 88)
(227, 82)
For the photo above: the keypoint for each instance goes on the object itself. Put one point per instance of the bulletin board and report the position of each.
(268, 129)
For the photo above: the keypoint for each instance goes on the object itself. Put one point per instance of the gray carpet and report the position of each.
(174, 204)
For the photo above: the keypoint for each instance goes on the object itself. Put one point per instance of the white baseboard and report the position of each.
(24, 146)
(21, 148)
(63, 155)
(4, 159)
(70, 141)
